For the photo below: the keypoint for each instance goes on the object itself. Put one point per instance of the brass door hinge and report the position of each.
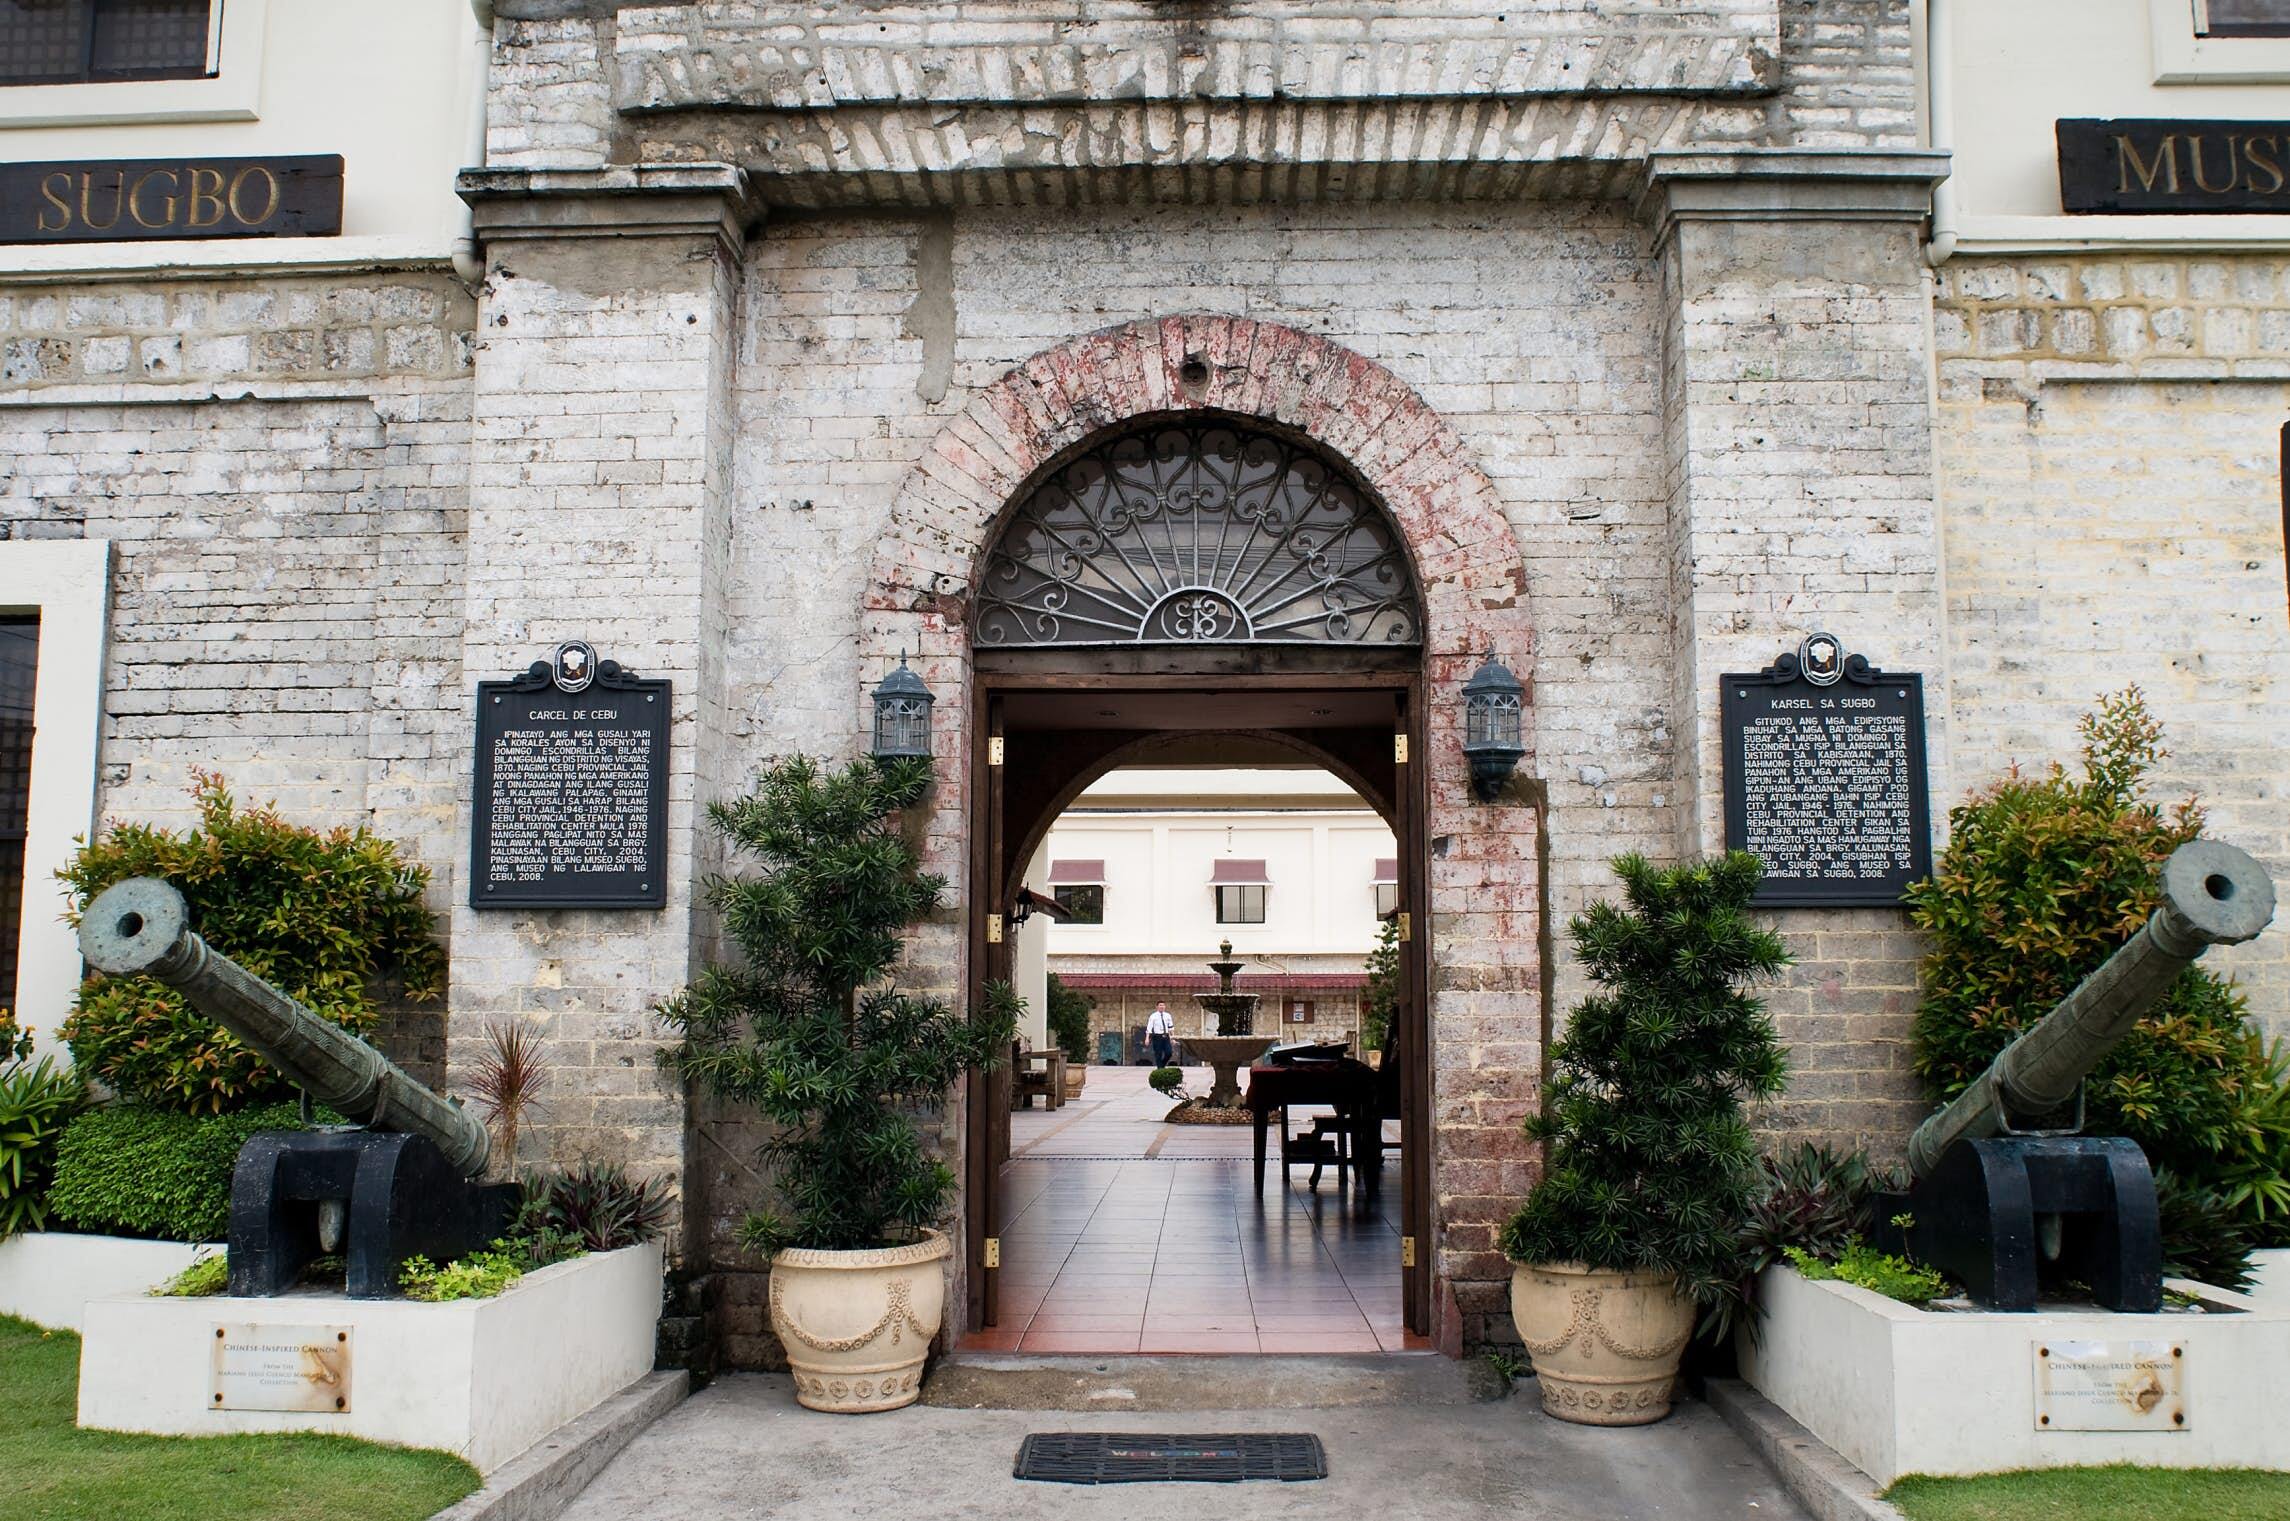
(1406, 927)
(1399, 748)
(993, 1251)
(1407, 1251)
(994, 751)
(994, 929)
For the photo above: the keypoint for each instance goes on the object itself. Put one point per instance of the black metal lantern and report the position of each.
(902, 716)
(1493, 713)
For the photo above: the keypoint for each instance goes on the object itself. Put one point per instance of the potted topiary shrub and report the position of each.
(1637, 1222)
(808, 1028)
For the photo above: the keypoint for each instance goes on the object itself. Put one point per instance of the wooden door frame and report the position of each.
(1411, 808)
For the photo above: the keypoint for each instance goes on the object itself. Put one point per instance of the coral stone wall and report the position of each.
(281, 466)
(2112, 467)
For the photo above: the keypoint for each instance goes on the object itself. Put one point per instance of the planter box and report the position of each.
(1898, 1390)
(47, 1277)
(2270, 1272)
(485, 1378)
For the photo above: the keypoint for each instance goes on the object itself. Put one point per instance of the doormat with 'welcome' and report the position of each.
(1129, 1457)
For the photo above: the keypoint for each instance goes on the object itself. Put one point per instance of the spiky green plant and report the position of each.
(1652, 1166)
(807, 1026)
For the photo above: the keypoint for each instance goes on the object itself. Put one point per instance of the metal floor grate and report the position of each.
(1131, 1457)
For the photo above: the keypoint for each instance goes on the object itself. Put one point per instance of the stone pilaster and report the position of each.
(599, 509)
(1797, 418)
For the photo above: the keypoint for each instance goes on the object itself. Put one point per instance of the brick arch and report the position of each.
(1485, 887)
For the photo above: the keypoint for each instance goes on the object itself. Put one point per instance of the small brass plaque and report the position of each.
(275, 1367)
(2111, 1386)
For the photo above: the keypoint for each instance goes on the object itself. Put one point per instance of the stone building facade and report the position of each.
(1623, 314)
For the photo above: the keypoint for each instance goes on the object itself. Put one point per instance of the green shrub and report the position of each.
(2043, 879)
(323, 915)
(37, 1100)
(1652, 1166)
(206, 1276)
(15, 1040)
(595, 1205)
(809, 1028)
(1069, 1020)
(1379, 995)
(132, 1170)
(1166, 1079)
(480, 1275)
(1864, 1266)
(1812, 1199)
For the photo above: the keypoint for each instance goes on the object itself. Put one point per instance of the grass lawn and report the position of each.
(2117, 1493)
(50, 1470)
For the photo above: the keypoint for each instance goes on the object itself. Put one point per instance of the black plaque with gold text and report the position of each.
(1825, 780)
(129, 200)
(2136, 166)
(571, 803)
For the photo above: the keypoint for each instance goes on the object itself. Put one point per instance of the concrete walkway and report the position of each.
(743, 1448)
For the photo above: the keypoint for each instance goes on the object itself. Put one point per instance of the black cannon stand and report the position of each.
(1983, 1215)
(401, 1198)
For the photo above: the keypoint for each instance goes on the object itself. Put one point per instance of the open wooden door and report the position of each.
(1413, 1015)
(988, 1094)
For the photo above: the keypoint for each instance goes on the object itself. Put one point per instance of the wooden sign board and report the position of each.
(2139, 167)
(131, 200)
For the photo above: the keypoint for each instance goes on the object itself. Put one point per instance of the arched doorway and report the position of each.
(1031, 635)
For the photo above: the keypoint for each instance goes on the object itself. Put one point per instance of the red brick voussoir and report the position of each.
(1485, 888)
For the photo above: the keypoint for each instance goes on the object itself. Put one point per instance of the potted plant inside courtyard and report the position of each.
(1636, 1225)
(807, 1026)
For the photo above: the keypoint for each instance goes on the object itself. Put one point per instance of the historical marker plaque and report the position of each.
(273, 1367)
(1825, 778)
(2111, 1386)
(571, 804)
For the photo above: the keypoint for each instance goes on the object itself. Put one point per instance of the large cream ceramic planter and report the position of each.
(1606, 1344)
(857, 1325)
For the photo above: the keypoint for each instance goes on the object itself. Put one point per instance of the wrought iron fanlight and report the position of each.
(1202, 532)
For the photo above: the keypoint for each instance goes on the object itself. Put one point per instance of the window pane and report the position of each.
(19, 665)
(1240, 905)
(1086, 904)
(42, 40)
(148, 39)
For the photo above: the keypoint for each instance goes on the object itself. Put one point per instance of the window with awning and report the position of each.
(1385, 883)
(1078, 886)
(1240, 890)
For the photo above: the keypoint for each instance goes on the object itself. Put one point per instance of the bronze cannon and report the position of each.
(2005, 1191)
(402, 1183)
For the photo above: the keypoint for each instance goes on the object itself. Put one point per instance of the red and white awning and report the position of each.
(1232, 873)
(1387, 871)
(1077, 873)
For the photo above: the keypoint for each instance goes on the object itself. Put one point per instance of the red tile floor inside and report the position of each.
(1121, 1233)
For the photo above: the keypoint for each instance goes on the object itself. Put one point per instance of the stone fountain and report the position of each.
(1233, 1046)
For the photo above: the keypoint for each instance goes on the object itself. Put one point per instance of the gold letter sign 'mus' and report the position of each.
(2130, 166)
(128, 200)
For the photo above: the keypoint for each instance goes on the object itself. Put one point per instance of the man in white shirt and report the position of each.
(1160, 1035)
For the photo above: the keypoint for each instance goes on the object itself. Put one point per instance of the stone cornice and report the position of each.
(1049, 53)
(1789, 185)
(615, 201)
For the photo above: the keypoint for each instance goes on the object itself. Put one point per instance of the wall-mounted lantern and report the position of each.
(902, 716)
(1493, 703)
